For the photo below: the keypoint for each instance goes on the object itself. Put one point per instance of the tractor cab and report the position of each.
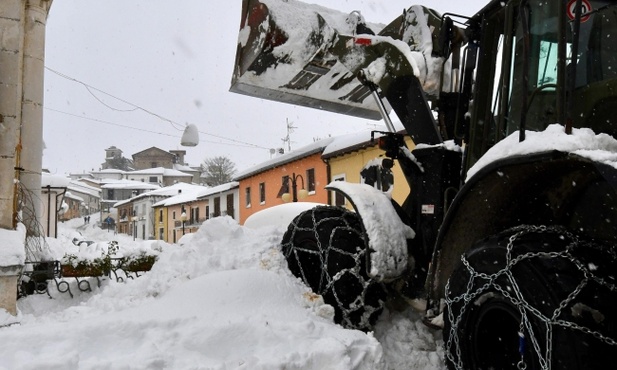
(543, 62)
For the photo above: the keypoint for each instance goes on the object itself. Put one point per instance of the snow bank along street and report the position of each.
(225, 300)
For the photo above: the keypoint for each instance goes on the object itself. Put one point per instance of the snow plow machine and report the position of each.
(506, 241)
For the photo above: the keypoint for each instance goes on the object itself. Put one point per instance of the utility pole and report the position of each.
(22, 50)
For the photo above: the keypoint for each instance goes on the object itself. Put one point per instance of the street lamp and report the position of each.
(183, 218)
(134, 219)
(284, 192)
(190, 137)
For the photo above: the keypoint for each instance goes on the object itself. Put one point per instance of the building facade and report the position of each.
(262, 186)
(221, 200)
(91, 196)
(180, 215)
(348, 156)
(115, 191)
(138, 216)
(154, 157)
(159, 176)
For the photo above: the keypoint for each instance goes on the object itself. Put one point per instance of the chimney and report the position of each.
(179, 156)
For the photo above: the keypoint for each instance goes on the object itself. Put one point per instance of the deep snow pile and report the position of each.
(225, 300)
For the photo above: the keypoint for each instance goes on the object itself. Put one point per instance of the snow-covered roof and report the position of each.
(70, 195)
(183, 168)
(159, 171)
(188, 195)
(128, 184)
(90, 180)
(354, 141)
(168, 191)
(195, 192)
(218, 189)
(173, 189)
(305, 151)
(108, 171)
(54, 181)
(80, 187)
(80, 175)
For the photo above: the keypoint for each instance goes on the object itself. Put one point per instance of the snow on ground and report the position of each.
(224, 300)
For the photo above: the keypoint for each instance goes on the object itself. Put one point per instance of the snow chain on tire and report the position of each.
(327, 248)
(481, 284)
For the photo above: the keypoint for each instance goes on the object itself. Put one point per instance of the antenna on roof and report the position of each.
(290, 129)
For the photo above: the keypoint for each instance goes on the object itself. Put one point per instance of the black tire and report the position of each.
(326, 247)
(561, 288)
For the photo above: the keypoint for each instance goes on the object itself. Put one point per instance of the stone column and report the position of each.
(22, 50)
(31, 158)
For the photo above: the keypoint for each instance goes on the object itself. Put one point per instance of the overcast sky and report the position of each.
(173, 59)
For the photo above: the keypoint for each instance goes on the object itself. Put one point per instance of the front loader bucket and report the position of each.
(308, 55)
(284, 55)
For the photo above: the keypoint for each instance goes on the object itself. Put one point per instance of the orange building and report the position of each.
(302, 170)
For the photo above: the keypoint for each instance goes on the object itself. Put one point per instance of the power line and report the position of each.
(89, 88)
(145, 130)
(108, 123)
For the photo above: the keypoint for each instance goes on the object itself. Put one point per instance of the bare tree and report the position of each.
(217, 170)
(120, 163)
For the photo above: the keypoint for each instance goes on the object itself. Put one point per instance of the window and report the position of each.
(310, 180)
(247, 196)
(230, 205)
(160, 215)
(339, 199)
(217, 206)
(262, 192)
(207, 212)
(284, 185)
(161, 233)
(154, 180)
(194, 215)
(173, 215)
(153, 165)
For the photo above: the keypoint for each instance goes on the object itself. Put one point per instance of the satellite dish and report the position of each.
(190, 137)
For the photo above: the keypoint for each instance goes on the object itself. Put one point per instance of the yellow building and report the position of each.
(160, 223)
(347, 156)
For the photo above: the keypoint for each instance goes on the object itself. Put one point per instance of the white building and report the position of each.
(143, 218)
(159, 175)
(91, 196)
(223, 200)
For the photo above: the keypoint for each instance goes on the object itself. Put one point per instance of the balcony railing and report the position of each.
(190, 222)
